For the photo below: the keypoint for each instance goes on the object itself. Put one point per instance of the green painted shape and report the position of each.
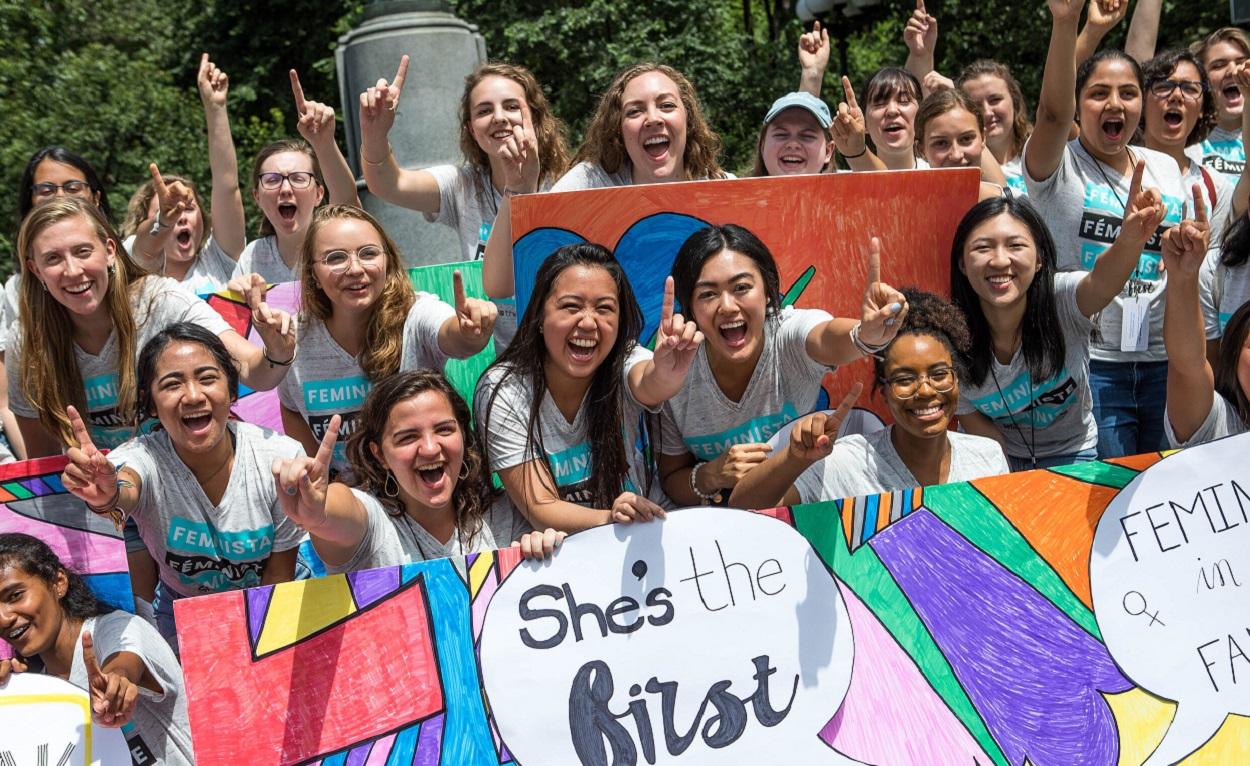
(1097, 472)
(17, 490)
(863, 572)
(436, 279)
(798, 287)
(972, 515)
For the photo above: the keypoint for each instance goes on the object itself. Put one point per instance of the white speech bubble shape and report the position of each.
(1170, 578)
(739, 649)
(45, 719)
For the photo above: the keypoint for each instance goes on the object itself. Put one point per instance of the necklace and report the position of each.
(1032, 442)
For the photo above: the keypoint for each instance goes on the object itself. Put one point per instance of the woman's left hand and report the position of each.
(519, 152)
(540, 545)
(113, 696)
(316, 120)
(276, 331)
(476, 316)
(677, 339)
(884, 307)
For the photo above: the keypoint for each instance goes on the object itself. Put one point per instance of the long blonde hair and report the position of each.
(384, 339)
(605, 147)
(50, 378)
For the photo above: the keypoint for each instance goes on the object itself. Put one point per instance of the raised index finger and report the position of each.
(1134, 186)
(79, 428)
(298, 91)
(666, 308)
(400, 74)
(848, 92)
(457, 287)
(95, 676)
(162, 191)
(874, 261)
(1200, 205)
(325, 453)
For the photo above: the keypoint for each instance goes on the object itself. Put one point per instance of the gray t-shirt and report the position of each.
(868, 465)
(1223, 152)
(394, 540)
(212, 270)
(785, 385)
(1221, 421)
(1013, 169)
(156, 304)
(505, 425)
(1083, 204)
(1053, 416)
(1220, 215)
(261, 256)
(1223, 290)
(159, 731)
(324, 380)
(588, 175)
(9, 309)
(201, 548)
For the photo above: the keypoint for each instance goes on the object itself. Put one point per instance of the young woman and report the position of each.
(1080, 189)
(1222, 53)
(422, 490)
(361, 322)
(893, 95)
(559, 410)
(200, 487)
(167, 224)
(1202, 405)
(1027, 383)
(950, 134)
(918, 374)
(991, 86)
(760, 366)
(796, 137)
(1225, 280)
(287, 187)
(54, 625)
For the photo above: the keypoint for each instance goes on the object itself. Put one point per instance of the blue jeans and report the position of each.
(1053, 461)
(1129, 400)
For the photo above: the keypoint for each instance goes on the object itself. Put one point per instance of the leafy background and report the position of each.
(115, 79)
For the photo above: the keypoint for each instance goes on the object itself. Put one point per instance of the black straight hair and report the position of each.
(25, 197)
(1234, 340)
(1088, 66)
(1235, 246)
(185, 332)
(711, 240)
(525, 360)
(1041, 335)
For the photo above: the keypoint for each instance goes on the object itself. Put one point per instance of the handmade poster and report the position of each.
(33, 502)
(816, 227)
(47, 721)
(971, 609)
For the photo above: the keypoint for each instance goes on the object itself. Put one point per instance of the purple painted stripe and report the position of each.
(37, 487)
(257, 607)
(430, 746)
(359, 756)
(370, 585)
(1033, 674)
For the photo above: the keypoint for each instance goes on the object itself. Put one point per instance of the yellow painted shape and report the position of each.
(82, 702)
(1143, 719)
(480, 571)
(301, 608)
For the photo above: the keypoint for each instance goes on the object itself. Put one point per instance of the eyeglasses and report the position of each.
(337, 261)
(72, 188)
(906, 386)
(1190, 89)
(300, 179)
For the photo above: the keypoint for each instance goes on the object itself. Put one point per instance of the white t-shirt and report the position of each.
(158, 731)
(211, 271)
(156, 304)
(203, 548)
(868, 465)
(1083, 204)
(394, 540)
(1053, 416)
(588, 175)
(785, 385)
(1223, 152)
(261, 256)
(502, 412)
(1221, 421)
(9, 308)
(325, 380)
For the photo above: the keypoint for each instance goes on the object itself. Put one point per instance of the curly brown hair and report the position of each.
(384, 340)
(553, 149)
(605, 147)
(473, 494)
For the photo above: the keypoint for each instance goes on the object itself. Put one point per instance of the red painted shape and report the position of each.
(237, 315)
(298, 704)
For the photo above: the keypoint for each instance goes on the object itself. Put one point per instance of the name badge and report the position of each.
(1135, 323)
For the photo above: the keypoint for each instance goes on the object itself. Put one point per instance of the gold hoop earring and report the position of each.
(464, 471)
(390, 487)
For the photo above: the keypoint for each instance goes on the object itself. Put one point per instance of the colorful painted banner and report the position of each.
(970, 607)
(47, 721)
(817, 228)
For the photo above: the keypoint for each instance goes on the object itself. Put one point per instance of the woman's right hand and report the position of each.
(814, 49)
(9, 667)
(88, 475)
(303, 481)
(731, 465)
(171, 199)
(1185, 245)
(921, 33)
(1065, 10)
(813, 435)
(212, 83)
(540, 545)
(519, 152)
(629, 507)
(378, 106)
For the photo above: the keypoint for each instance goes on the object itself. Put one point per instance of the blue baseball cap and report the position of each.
(801, 100)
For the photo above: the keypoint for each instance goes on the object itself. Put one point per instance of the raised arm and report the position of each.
(813, 59)
(154, 232)
(522, 169)
(1057, 105)
(1113, 268)
(1143, 30)
(413, 189)
(1191, 382)
(90, 476)
(262, 369)
(920, 35)
(850, 133)
(316, 125)
(881, 315)
(677, 340)
(1241, 195)
(1102, 17)
(229, 228)
(463, 335)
